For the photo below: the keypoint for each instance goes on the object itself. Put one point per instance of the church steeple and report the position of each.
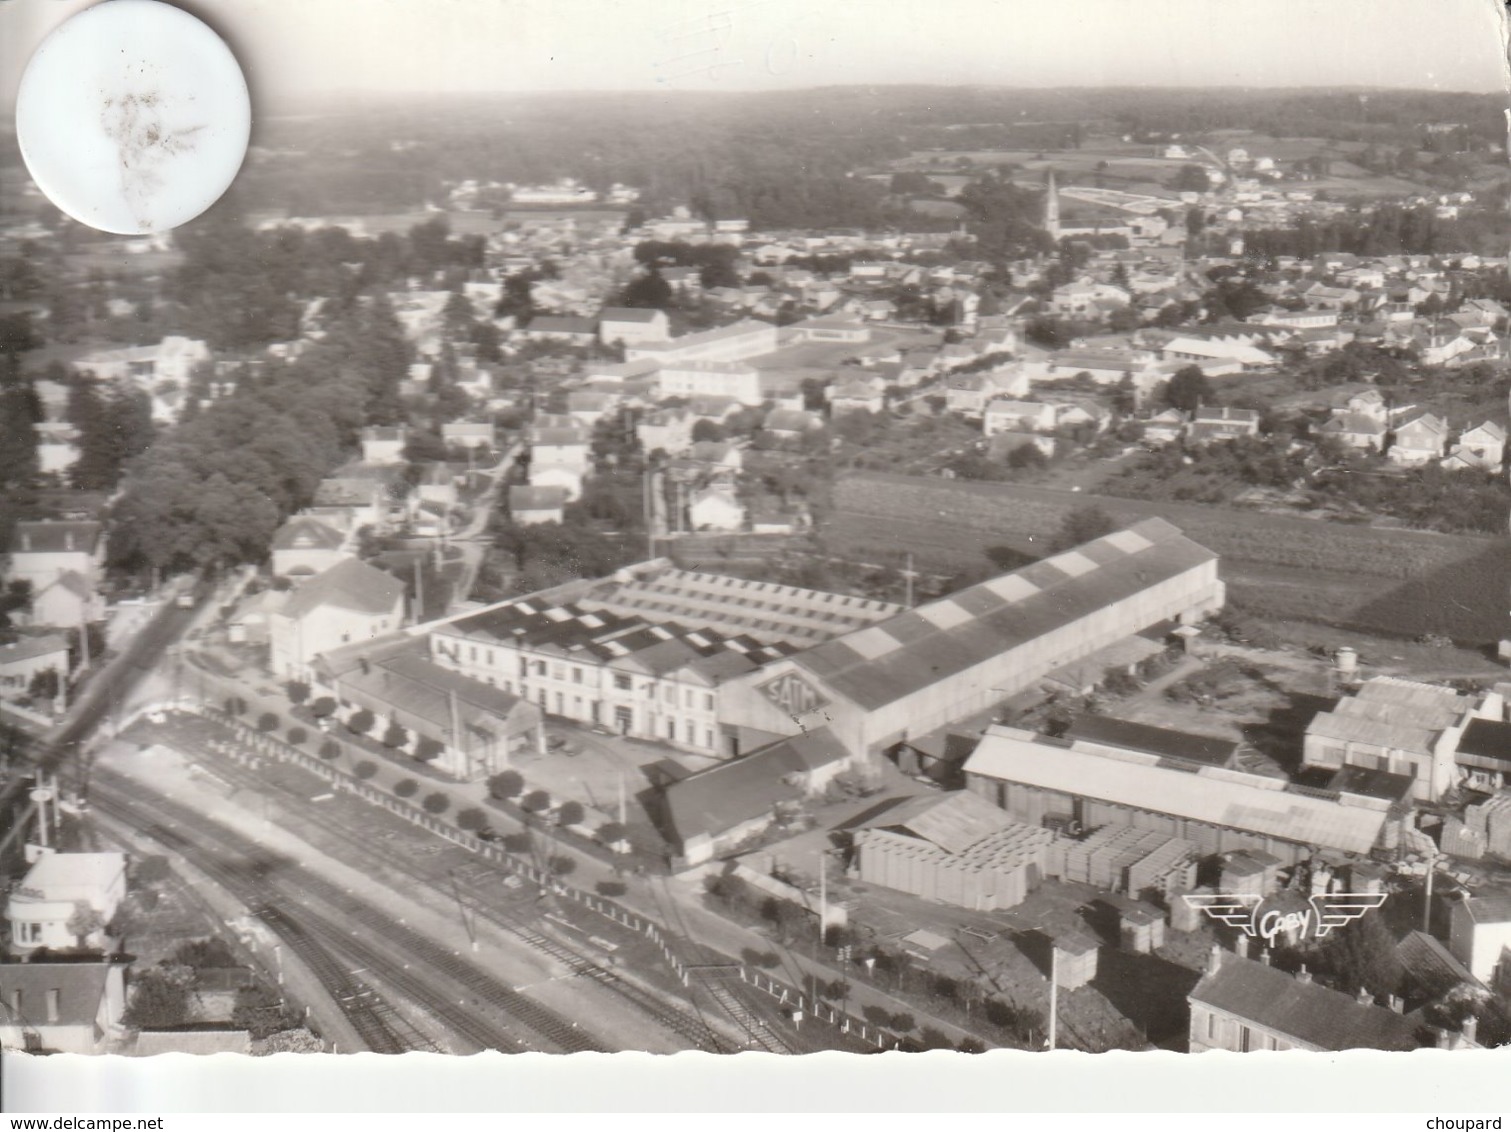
(1051, 207)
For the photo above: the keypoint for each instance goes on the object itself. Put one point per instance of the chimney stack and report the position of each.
(1214, 960)
(1364, 998)
(1241, 948)
(1303, 975)
(1396, 1003)
(1264, 956)
(1470, 1029)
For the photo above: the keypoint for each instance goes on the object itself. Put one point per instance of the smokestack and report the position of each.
(1303, 975)
(1364, 998)
(1214, 960)
(1242, 947)
(1264, 956)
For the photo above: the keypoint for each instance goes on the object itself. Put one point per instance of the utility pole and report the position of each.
(1054, 994)
(823, 896)
(908, 576)
(1432, 868)
(623, 819)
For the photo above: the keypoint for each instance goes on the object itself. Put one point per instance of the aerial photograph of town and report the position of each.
(891, 560)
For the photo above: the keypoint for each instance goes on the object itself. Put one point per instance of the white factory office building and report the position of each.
(726, 665)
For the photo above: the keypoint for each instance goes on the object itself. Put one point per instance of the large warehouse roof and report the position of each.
(1217, 797)
(877, 665)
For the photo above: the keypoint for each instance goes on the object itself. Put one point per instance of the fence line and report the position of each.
(276, 748)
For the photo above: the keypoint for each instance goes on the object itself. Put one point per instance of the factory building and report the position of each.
(645, 651)
(1077, 783)
(921, 669)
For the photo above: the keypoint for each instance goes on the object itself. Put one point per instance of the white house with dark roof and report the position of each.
(1219, 422)
(384, 444)
(1420, 440)
(306, 545)
(1363, 431)
(632, 325)
(1482, 448)
(529, 505)
(351, 601)
(1479, 933)
(41, 907)
(63, 563)
(21, 661)
(61, 1007)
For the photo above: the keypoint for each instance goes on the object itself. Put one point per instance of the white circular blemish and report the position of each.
(133, 117)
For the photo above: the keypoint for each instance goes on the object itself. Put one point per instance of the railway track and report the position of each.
(264, 880)
(480, 882)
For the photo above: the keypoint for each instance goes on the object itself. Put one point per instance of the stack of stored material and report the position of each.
(1459, 840)
(1248, 874)
(994, 873)
(1492, 818)
(1169, 869)
(1123, 859)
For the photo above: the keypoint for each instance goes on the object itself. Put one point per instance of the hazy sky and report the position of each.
(294, 47)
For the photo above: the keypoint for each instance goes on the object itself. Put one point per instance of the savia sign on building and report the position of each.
(794, 695)
(1247, 913)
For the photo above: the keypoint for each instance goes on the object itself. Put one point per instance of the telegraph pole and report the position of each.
(909, 575)
(1054, 994)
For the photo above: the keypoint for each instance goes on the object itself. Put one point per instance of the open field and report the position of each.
(1402, 583)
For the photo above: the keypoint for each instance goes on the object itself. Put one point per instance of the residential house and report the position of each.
(1370, 403)
(857, 396)
(570, 330)
(589, 406)
(566, 477)
(1087, 299)
(715, 508)
(353, 502)
(1017, 416)
(21, 661)
(631, 326)
(1420, 440)
(1003, 444)
(43, 907)
(1244, 1005)
(1222, 423)
(350, 601)
(790, 423)
(383, 445)
(562, 442)
(1441, 343)
(63, 562)
(1479, 934)
(171, 360)
(57, 447)
(666, 430)
(1482, 448)
(968, 393)
(1356, 430)
(530, 505)
(306, 545)
(470, 434)
(1165, 427)
(438, 486)
(1216, 357)
(61, 1007)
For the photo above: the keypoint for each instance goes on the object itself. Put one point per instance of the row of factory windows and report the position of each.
(623, 682)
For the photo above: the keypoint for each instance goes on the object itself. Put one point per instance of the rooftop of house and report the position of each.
(523, 497)
(352, 585)
(75, 870)
(1390, 712)
(29, 648)
(79, 987)
(920, 647)
(397, 672)
(1303, 1011)
(630, 314)
(305, 532)
(50, 536)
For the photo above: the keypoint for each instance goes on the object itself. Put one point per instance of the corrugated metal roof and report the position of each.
(954, 821)
(1221, 798)
(1038, 600)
